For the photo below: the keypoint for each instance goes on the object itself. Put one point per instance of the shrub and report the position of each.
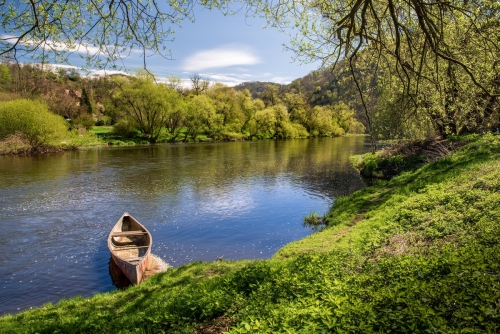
(33, 120)
(124, 128)
(103, 120)
(83, 120)
(14, 144)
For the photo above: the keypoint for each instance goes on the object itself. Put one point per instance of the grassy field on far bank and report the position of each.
(417, 253)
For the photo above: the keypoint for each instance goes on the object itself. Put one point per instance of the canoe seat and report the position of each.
(133, 259)
(118, 248)
(128, 233)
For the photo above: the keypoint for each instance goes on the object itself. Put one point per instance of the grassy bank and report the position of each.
(417, 253)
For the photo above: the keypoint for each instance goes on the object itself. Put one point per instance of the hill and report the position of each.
(319, 88)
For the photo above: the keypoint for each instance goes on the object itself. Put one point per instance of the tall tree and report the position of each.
(148, 104)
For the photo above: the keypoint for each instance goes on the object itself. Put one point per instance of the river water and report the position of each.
(241, 200)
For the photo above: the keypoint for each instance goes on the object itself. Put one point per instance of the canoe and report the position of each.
(130, 245)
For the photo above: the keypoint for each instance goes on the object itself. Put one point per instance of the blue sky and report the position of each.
(227, 49)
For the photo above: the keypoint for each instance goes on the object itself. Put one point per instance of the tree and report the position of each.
(199, 84)
(105, 31)
(270, 96)
(228, 104)
(148, 104)
(5, 76)
(296, 106)
(248, 107)
(263, 124)
(176, 119)
(201, 117)
(438, 47)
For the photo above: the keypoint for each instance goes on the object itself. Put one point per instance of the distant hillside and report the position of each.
(320, 88)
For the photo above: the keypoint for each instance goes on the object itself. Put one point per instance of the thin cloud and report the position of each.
(228, 80)
(281, 80)
(51, 45)
(225, 56)
(78, 47)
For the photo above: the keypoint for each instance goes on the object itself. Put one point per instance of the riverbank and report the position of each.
(419, 252)
(102, 136)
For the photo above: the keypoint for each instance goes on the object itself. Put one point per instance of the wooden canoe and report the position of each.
(130, 245)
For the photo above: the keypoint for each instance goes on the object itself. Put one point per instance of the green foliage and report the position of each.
(375, 165)
(83, 120)
(36, 123)
(125, 128)
(146, 103)
(5, 76)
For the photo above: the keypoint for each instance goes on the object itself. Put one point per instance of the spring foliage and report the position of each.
(33, 120)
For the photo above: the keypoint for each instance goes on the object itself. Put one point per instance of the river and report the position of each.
(239, 200)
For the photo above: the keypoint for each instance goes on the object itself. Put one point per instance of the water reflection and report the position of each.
(202, 201)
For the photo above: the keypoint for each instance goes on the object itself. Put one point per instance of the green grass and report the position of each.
(419, 253)
(101, 130)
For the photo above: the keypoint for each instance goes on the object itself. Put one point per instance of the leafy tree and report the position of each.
(263, 123)
(228, 103)
(88, 101)
(199, 84)
(270, 96)
(176, 119)
(248, 108)
(296, 106)
(148, 104)
(5, 76)
(201, 117)
(320, 122)
(343, 116)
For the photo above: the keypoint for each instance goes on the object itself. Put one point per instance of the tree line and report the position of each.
(140, 105)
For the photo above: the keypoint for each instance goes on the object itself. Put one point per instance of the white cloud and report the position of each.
(51, 45)
(107, 72)
(281, 80)
(224, 56)
(226, 79)
(78, 48)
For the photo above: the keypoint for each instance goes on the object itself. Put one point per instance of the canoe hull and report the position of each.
(134, 273)
(129, 243)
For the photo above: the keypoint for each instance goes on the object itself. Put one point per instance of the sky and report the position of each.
(231, 50)
(226, 49)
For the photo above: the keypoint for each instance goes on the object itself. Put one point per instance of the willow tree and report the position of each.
(147, 103)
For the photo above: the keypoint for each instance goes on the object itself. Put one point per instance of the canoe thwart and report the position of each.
(129, 247)
(128, 233)
(132, 259)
